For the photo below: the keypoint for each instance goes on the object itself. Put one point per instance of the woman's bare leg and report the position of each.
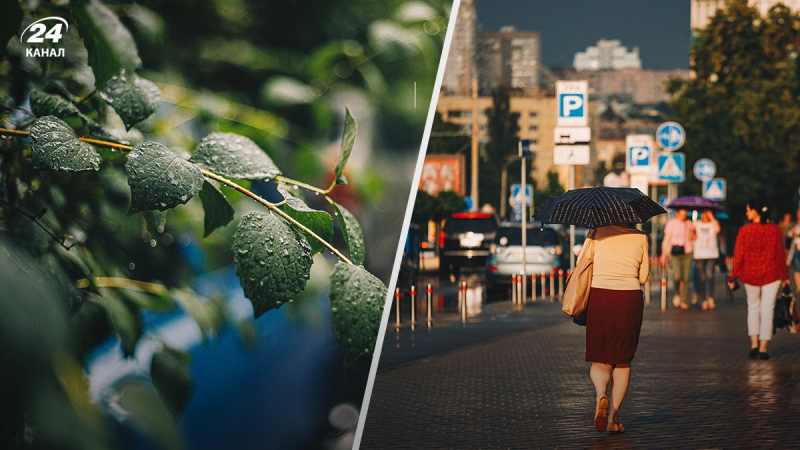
(601, 375)
(622, 376)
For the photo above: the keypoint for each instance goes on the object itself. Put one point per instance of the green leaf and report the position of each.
(134, 100)
(209, 314)
(348, 139)
(44, 104)
(218, 212)
(55, 146)
(353, 236)
(152, 302)
(124, 318)
(110, 45)
(10, 21)
(273, 260)
(139, 406)
(169, 371)
(234, 156)
(320, 222)
(159, 179)
(357, 299)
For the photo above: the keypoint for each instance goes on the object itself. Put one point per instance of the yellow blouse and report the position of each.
(620, 258)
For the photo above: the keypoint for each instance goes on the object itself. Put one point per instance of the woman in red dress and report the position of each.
(759, 262)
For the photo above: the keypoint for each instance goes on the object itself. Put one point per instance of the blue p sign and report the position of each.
(571, 105)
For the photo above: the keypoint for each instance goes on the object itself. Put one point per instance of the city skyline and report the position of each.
(662, 34)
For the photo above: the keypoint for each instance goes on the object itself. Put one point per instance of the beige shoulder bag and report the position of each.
(576, 294)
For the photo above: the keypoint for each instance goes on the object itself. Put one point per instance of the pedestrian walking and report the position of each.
(706, 253)
(614, 316)
(677, 247)
(794, 251)
(758, 261)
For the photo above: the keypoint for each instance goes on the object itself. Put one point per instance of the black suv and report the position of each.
(466, 238)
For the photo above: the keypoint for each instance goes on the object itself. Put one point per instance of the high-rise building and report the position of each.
(607, 55)
(508, 58)
(704, 10)
(460, 67)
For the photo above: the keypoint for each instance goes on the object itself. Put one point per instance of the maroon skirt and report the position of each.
(613, 323)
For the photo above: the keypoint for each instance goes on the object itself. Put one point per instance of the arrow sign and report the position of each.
(715, 189)
(670, 136)
(672, 167)
(704, 169)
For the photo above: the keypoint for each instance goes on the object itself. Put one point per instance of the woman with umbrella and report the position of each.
(620, 267)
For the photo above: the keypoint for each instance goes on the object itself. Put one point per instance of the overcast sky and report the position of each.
(660, 28)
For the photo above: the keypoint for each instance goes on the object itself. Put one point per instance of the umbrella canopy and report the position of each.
(599, 207)
(694, 202)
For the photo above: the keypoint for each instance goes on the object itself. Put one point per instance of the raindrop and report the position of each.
(160, 228)
(131, 265)
(153, 243)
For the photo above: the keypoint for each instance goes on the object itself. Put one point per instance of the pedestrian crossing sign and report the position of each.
(715, 189)
(672, 167)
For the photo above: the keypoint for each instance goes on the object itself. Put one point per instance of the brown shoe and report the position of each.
(601, 414)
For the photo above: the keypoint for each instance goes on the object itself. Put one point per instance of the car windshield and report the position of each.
(536, 237)
(477, 225)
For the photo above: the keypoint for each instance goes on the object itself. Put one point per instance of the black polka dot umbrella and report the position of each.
(599, 207)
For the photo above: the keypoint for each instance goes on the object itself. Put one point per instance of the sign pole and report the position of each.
(524, 226)
(571, 227)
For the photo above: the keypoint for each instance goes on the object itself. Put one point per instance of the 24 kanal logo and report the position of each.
(38, 33)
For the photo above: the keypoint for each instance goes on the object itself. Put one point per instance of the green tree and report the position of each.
(741, 108)
(552, 189)
(447, 137)
(503, 127)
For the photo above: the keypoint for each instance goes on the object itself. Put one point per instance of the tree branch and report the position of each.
(62, 241)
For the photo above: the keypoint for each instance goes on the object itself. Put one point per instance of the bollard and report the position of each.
(413, 305)
(520, 278)
(663, 288)
(552, 286)
(647, 291)
(514, 289)
(542, 279)
(397, 302)
(463, 302)
(429, 292)
(560, 283)
(534, 294)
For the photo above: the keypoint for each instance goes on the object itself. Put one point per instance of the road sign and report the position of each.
(670, 136)
(663, 200)
(704, 169)
(715, 189)
(575, 155)
(672, 167)
(639, 181)
(525, 148)
(516, 195)
(639, 153)
(572, 135)
(572, 103)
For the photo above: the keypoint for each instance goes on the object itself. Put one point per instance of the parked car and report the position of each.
(546, 251)
(465, 239)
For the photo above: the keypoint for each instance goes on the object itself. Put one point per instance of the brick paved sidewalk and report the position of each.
(692, 386)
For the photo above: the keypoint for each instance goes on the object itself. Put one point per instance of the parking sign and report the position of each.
(639, 153)
(572, 103)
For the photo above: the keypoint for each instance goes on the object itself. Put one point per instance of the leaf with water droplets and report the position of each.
(110, 45)
(44, 104)
(320, 222)
(134, 100)
(55, 146)
(218, 212)
(234, 156)
(273, 260)
(208, 314)
(123, 316)
(357, 299)
(353, 236)
(169, 370)
(159, 179)
(348, 139)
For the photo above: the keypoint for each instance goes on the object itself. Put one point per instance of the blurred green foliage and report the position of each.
(741, 107)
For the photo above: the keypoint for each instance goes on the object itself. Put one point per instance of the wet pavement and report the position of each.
(517, 379)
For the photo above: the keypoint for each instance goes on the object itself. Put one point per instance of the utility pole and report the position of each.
(474, 157)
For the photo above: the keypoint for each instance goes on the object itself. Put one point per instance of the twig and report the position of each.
(306, 186)
(85, 97)
(211, 175)
(35, 218)
(124, 283)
